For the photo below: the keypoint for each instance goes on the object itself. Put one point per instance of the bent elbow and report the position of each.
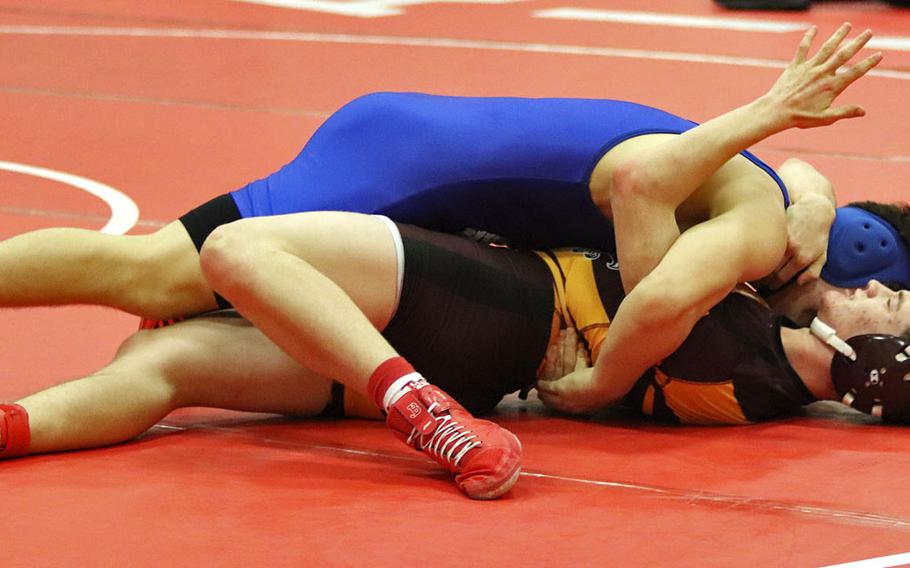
(630, 180)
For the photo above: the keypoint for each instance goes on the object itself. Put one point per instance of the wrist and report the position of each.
(821, 207)
(606, 385)
(771, 114)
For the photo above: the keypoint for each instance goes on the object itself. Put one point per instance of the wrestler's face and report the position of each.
(873, 309)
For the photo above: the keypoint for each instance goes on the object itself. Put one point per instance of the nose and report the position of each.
(874, 288)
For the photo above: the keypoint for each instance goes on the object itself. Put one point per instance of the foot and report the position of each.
(15, 435)
(484, 457)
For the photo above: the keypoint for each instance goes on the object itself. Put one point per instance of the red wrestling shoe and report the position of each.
(484, 457)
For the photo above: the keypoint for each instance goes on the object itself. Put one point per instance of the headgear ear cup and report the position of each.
(861, 247)
(878, 381)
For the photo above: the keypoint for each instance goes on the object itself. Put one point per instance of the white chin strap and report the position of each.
(827, 334)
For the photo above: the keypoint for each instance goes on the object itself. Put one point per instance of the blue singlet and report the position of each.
(513, 166)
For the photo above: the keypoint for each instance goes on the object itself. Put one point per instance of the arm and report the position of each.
(659, 178)
(663, 308)
(702, 265)
(802, 97)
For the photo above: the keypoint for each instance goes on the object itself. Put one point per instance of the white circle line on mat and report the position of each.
(124, 212)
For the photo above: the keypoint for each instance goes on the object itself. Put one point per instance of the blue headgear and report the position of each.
(862, 247)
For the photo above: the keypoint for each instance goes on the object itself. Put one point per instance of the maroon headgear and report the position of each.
(871, 372)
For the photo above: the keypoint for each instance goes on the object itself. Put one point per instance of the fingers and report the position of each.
(847, 52)
(830, 46)
(783, 274)
(844, 112)
(774, 281)
(555, 401)
(569, 349)
(812, 273)
(809, 274)
(562, 356)
(549, 392)
(545, 396)
(854, 72)
(797, 263)
(548, 370)
(787, 272)
(804, 45)
(581, 358)
(564, 394)
(546, 388)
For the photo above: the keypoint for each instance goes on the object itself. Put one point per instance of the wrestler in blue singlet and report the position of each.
(512, 166)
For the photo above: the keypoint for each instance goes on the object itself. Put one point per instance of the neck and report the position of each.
(799, 303)
(811, 359)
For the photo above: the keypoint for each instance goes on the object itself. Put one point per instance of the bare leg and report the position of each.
(155, 276)
(321, 285)
(217, 361)
(318, 284)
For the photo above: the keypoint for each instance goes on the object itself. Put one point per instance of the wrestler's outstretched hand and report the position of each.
(804, 94)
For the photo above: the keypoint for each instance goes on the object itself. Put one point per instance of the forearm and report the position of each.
(657, 315)
(651, 323)
(624, 357)
(801, 97)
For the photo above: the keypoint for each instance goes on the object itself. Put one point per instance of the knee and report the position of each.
(143, 350)
(155, 358)
(227, 253)
(158, 276)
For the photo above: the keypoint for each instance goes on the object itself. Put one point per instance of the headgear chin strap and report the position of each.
(828, 334)
(876, 378)
(862, 246)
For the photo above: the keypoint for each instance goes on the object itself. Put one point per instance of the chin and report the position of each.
(828, 300)
(800, 303)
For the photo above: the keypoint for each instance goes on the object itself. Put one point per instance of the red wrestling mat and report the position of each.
(173, 102)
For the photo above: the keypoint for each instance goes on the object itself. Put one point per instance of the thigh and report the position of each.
(474, 319)
(222, 361)
(357, 252)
